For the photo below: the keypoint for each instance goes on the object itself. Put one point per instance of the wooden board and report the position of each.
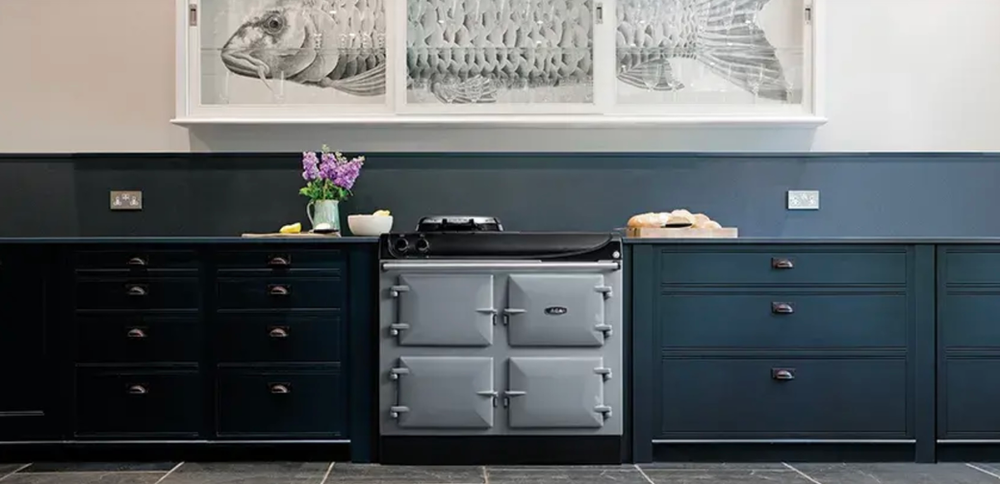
(301, 234)
(681, 233)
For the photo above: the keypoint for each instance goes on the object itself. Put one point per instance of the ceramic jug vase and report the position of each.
(324, 211)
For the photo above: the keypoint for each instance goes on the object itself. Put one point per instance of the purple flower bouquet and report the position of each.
(329, 175)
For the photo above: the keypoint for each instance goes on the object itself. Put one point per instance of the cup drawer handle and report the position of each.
(280, 388)
(137, 390)
(137, 261)
(278, 332)
(279, 261)
(137, 290)
(782, 263)
(783, 374)
(279, 290)
(782, 308)
(136, 333)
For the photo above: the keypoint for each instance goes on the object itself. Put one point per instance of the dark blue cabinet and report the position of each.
(757, 344)
(157, 341)
(968, 298)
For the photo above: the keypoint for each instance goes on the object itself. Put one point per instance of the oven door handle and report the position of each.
(388, 266)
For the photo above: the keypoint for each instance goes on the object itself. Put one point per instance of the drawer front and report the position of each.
(775, 265)
(279, 259)
(139, 260)
(963, 265)
(279, 339)
(969, 399)
(136, 338)
(970, 319)
(281, 403)
(138, 403)
(281, 293)
(138, 293)
(783, 320)
(744, 398)
(27, 393)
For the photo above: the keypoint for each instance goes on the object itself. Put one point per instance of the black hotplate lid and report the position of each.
(459, 223)
(568, 246)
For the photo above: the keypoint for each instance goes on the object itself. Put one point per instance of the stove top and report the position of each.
(493, 245)
(459, 223)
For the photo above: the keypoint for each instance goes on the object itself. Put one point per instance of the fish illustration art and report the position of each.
(338, 44)
(466, 51)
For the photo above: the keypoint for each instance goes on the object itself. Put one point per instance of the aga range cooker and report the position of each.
(499, 347)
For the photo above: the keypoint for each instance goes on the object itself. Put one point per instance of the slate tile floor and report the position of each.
(331, 473)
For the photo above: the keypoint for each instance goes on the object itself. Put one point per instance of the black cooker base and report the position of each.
(501, 450)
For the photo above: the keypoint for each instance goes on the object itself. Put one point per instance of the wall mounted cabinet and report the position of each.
(504, 62)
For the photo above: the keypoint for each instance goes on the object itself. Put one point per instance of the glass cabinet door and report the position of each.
(713, 56)
(291, 57)
(499, 56)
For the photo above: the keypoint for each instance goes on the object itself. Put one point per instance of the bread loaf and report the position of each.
(650, 219)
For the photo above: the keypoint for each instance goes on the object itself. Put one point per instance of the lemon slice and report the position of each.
(382, 213)
(291, 229)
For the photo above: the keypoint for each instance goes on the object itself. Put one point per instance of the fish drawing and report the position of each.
(337, 44)
(722, 34)
(466, 51)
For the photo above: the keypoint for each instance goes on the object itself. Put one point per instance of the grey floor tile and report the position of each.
(249, 473)
(9, 468)
(100, 467)
(725, 474)
(735, 466)
(902, 473)
(566, 475)
(991, 467)
(84, 478)
(371, 474)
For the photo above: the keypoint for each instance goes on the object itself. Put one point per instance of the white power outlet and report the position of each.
(803, 199)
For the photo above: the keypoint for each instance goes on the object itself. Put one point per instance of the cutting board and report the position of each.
(681, 233)
(305, 235)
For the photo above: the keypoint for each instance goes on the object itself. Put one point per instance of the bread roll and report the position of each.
(681, 216)
(711, 224)
(649, 219)
(700, 219)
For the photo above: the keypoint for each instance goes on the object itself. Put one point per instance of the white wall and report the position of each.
(97, 75)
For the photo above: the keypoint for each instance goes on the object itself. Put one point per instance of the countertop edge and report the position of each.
(817, 240)
(205, 240)
(188, 240)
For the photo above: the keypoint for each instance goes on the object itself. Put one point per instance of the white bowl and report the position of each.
(369, 225)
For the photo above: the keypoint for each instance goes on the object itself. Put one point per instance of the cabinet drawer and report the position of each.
(783, 320)
(27, 393)
(278, 338)
(134, 338)
(138, 293)
(969, 399)
(279, 259)
(775, 265)
(970, 318)
(141, 402)
(139, 260)
(970, 266)
(281, 403)
(745, 398)
(281, 293)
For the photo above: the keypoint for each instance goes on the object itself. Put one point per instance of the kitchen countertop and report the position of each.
(187, 240)
(372, 240)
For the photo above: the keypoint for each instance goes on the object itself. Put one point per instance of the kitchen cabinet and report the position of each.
(500, 62)
(749, 346)
(151, 341)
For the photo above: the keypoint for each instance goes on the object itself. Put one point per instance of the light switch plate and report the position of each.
(803, 199)
(126, 200)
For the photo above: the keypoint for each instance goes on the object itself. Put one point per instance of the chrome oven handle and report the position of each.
(388, 266)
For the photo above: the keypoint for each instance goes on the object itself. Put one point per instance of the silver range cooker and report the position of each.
(499, 347)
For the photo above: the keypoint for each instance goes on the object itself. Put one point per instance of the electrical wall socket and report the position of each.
(803, 199)
(126, 200)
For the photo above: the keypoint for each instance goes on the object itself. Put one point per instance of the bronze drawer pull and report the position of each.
(278, 290)
(136, 261)
(137, 390)
(280, 388)
(278, 333)
(279, 261)
(136, 333)
(782, 308)
(777, 263)
(137, 290)
(783, 374)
